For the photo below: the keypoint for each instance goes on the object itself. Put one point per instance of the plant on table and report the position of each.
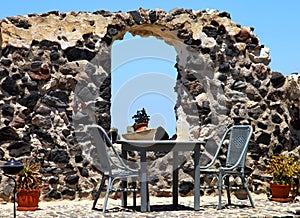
(141, 120)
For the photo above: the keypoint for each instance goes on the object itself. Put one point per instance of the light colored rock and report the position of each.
(54, 28)
(261, 56)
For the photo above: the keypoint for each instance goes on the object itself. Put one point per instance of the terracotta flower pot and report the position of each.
(140, 126)
(28, 199)
(280, 192)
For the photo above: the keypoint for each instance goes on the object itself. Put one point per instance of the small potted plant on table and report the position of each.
(141, 120)
(283, 170)
(28, 186)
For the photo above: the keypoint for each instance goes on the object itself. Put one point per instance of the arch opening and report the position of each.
(143, 76)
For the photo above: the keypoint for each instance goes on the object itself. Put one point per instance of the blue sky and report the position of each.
(276, 24)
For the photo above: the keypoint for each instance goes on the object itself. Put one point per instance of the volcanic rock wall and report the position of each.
(55, 76)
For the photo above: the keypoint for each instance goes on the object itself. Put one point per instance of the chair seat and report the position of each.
(217, 171)
(124, 174)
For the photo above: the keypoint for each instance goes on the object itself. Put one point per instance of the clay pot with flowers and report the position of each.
(28, 186)
(141, 120)
(283, 170)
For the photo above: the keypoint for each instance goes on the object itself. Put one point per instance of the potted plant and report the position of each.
(141, 120)
(283, 170)
(28, 185)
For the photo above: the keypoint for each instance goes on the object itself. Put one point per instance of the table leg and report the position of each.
(124, 183)
(175, 179)
(145, 206)
(197, 177)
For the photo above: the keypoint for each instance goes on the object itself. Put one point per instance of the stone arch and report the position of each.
(223, 77)
(206, 53)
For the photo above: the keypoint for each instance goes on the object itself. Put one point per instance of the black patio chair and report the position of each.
(111, 166)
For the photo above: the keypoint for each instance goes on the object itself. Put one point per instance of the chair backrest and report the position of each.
(108, 161)
(238, 145)
(100, 140)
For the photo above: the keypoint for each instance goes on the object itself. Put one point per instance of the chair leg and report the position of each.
(134, 195)
(248, 191)
(148, 201)
(220, 190)
(109, 187)
(228, 189)
(99, 191)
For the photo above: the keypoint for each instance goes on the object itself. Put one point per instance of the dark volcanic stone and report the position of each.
(256, 84)
(10, 86)
(262, 125)
(276, 118)
(224, 14)
(224, 67)
(90, 45)
(19, 148)
(43, 135)
(67, 191)
(7, 110)
(232, 51)
(53, 180)
(6, 62)
(83, 172)
(185, 187)
(3, 73)
(78, 158)
(61, 95)
(2, 153)
(194, 42)
(54, 56)
(53, 194)
(210, 31)
(278, 149)
(72, 179)
(264, 138)
(153, 16)
(53, 101)
(277, 79)
(221, 30)
(137, 17)
(112, 30)
(59, 156)
(76, 54)
(36, 65)
(30, 100)
(19, 22)
(222, 77)
(104, 13)
(295, 122)
(8, 134)
(107, 38)
(31, 86)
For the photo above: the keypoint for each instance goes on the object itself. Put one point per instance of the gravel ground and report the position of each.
(161, 207)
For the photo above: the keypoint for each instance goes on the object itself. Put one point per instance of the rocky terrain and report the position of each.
(55, 77)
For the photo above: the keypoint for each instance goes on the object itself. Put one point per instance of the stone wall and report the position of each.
(55, 76)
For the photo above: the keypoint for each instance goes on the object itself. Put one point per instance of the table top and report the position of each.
(159, 145)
